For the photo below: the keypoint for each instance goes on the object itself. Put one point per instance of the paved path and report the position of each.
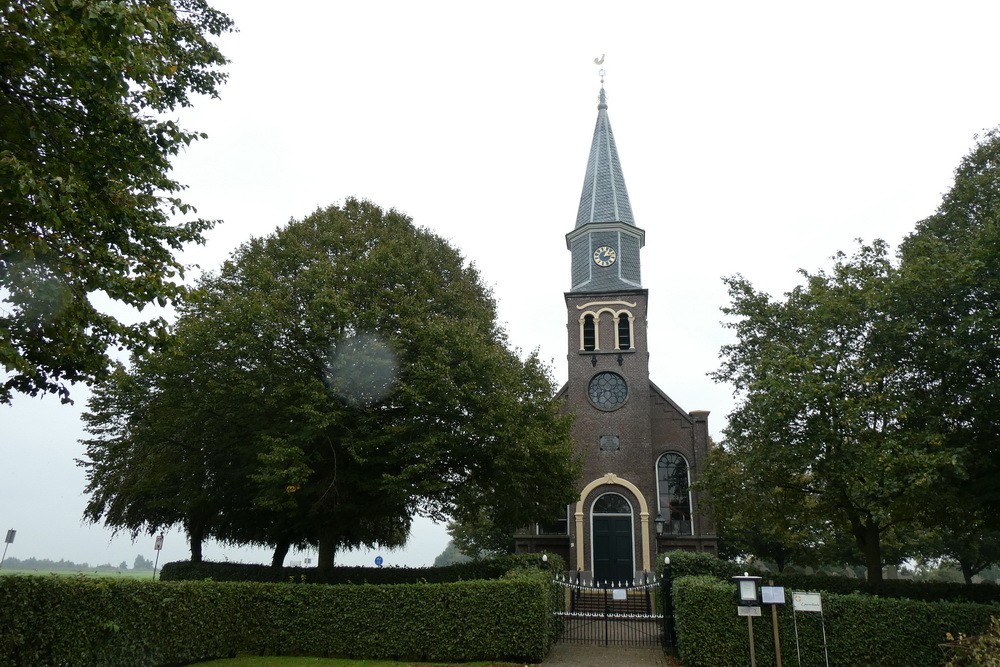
(582, 655)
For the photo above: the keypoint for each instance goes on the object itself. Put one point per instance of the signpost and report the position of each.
(808, 603)
(6, 543)
(748, 604)
(378, 561)
(774, 595)
(158, 545)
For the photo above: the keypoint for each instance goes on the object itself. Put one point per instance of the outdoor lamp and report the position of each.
(748, 590)
(659, 524)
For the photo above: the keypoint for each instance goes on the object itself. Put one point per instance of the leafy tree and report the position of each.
(87, 203)
(331, 381)
(142, 563)
(948, 290)
(756, 517)
(450, 555)
(822, 414)
(476, 536)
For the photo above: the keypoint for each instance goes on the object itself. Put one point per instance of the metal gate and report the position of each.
(610, 613)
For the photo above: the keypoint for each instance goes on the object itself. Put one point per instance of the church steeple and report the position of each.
(605, 242)
(604, 197)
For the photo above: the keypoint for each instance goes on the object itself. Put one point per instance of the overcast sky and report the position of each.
(755, 138)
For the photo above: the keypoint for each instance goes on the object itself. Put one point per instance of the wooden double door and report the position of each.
(613, 559)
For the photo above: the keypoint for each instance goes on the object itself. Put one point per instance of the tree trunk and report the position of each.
(869, 540)
(280, 551)
(327, 549)
(196, 533)
(967, 571)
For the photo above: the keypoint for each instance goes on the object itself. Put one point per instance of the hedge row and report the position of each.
(684, 563)
(492, 568)
(860, 629)
(85, 621)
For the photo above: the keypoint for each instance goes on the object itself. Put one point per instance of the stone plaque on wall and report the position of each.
(609, 443)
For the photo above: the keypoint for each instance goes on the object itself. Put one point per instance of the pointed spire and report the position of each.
(604, 197)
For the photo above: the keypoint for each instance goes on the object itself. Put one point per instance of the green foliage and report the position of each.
(686, 564)
(490, 568)
(77, 621)
(450, 556)
(870, 396)
(860, 629)
(980, 651)
(87, 201)
(331, 381)
(822, 417)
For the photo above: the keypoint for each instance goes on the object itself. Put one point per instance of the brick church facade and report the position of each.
(641, 452)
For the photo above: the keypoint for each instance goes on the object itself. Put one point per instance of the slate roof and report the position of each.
(604, 197)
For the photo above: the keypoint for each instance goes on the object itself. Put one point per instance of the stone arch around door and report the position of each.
(613, 479)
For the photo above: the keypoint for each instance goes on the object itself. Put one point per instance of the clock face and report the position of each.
(607, 391)
(605, 256)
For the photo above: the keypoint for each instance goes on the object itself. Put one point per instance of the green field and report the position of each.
(130, 574)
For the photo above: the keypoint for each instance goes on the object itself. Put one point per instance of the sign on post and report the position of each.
(810, 603)
(158, 543)
(807, 602)
(10, 536)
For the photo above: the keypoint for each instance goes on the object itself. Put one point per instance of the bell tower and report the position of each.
(640, 451)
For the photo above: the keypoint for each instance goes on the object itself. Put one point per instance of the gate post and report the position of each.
(669, 640)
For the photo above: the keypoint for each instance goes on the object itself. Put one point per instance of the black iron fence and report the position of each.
(612, 613)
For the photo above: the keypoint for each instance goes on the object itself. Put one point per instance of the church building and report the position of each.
(641, 451)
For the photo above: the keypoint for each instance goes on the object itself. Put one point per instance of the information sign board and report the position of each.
(747, 611)
(618, 594)
(772, 594)
(806, 601)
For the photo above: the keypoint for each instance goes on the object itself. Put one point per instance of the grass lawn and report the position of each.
(338, 662)
(127, 574)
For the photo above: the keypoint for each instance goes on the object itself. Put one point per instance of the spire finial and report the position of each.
(602, 100)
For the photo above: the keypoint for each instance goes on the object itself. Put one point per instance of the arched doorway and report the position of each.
(611, 518)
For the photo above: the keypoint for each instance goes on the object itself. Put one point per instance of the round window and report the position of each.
(607, 391)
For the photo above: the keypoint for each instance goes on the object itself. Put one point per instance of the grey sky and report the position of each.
(755, 138)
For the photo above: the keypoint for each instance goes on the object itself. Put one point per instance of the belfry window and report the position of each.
(624, 332)
(589, 333)
(674, 489)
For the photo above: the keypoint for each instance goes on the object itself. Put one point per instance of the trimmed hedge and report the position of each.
(492, 568)
(860, 629)
(86, 621)
(685, 563)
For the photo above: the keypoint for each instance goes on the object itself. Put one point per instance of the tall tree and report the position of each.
(948, 290)
(822, 401)
(87, 204)
(756, 517)
(355, 362)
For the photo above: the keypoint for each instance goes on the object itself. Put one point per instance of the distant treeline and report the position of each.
(62, 565)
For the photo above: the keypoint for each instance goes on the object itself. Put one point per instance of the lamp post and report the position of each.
(668, 602)
(748, 601)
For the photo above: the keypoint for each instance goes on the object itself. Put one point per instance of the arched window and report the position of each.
(624, 332)
(674, 489)
(612, 503)
(589, 333)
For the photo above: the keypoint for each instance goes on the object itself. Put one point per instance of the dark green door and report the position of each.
(613, 548)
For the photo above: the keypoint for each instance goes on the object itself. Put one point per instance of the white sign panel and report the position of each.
(618, 594)
(806, 602)
(747, 611)
(158, 542)
(772, 594)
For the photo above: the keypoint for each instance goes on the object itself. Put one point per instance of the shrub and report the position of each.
(686, 563)
(491, 568)
(860, 629)
(980, 651)
(60, 620)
